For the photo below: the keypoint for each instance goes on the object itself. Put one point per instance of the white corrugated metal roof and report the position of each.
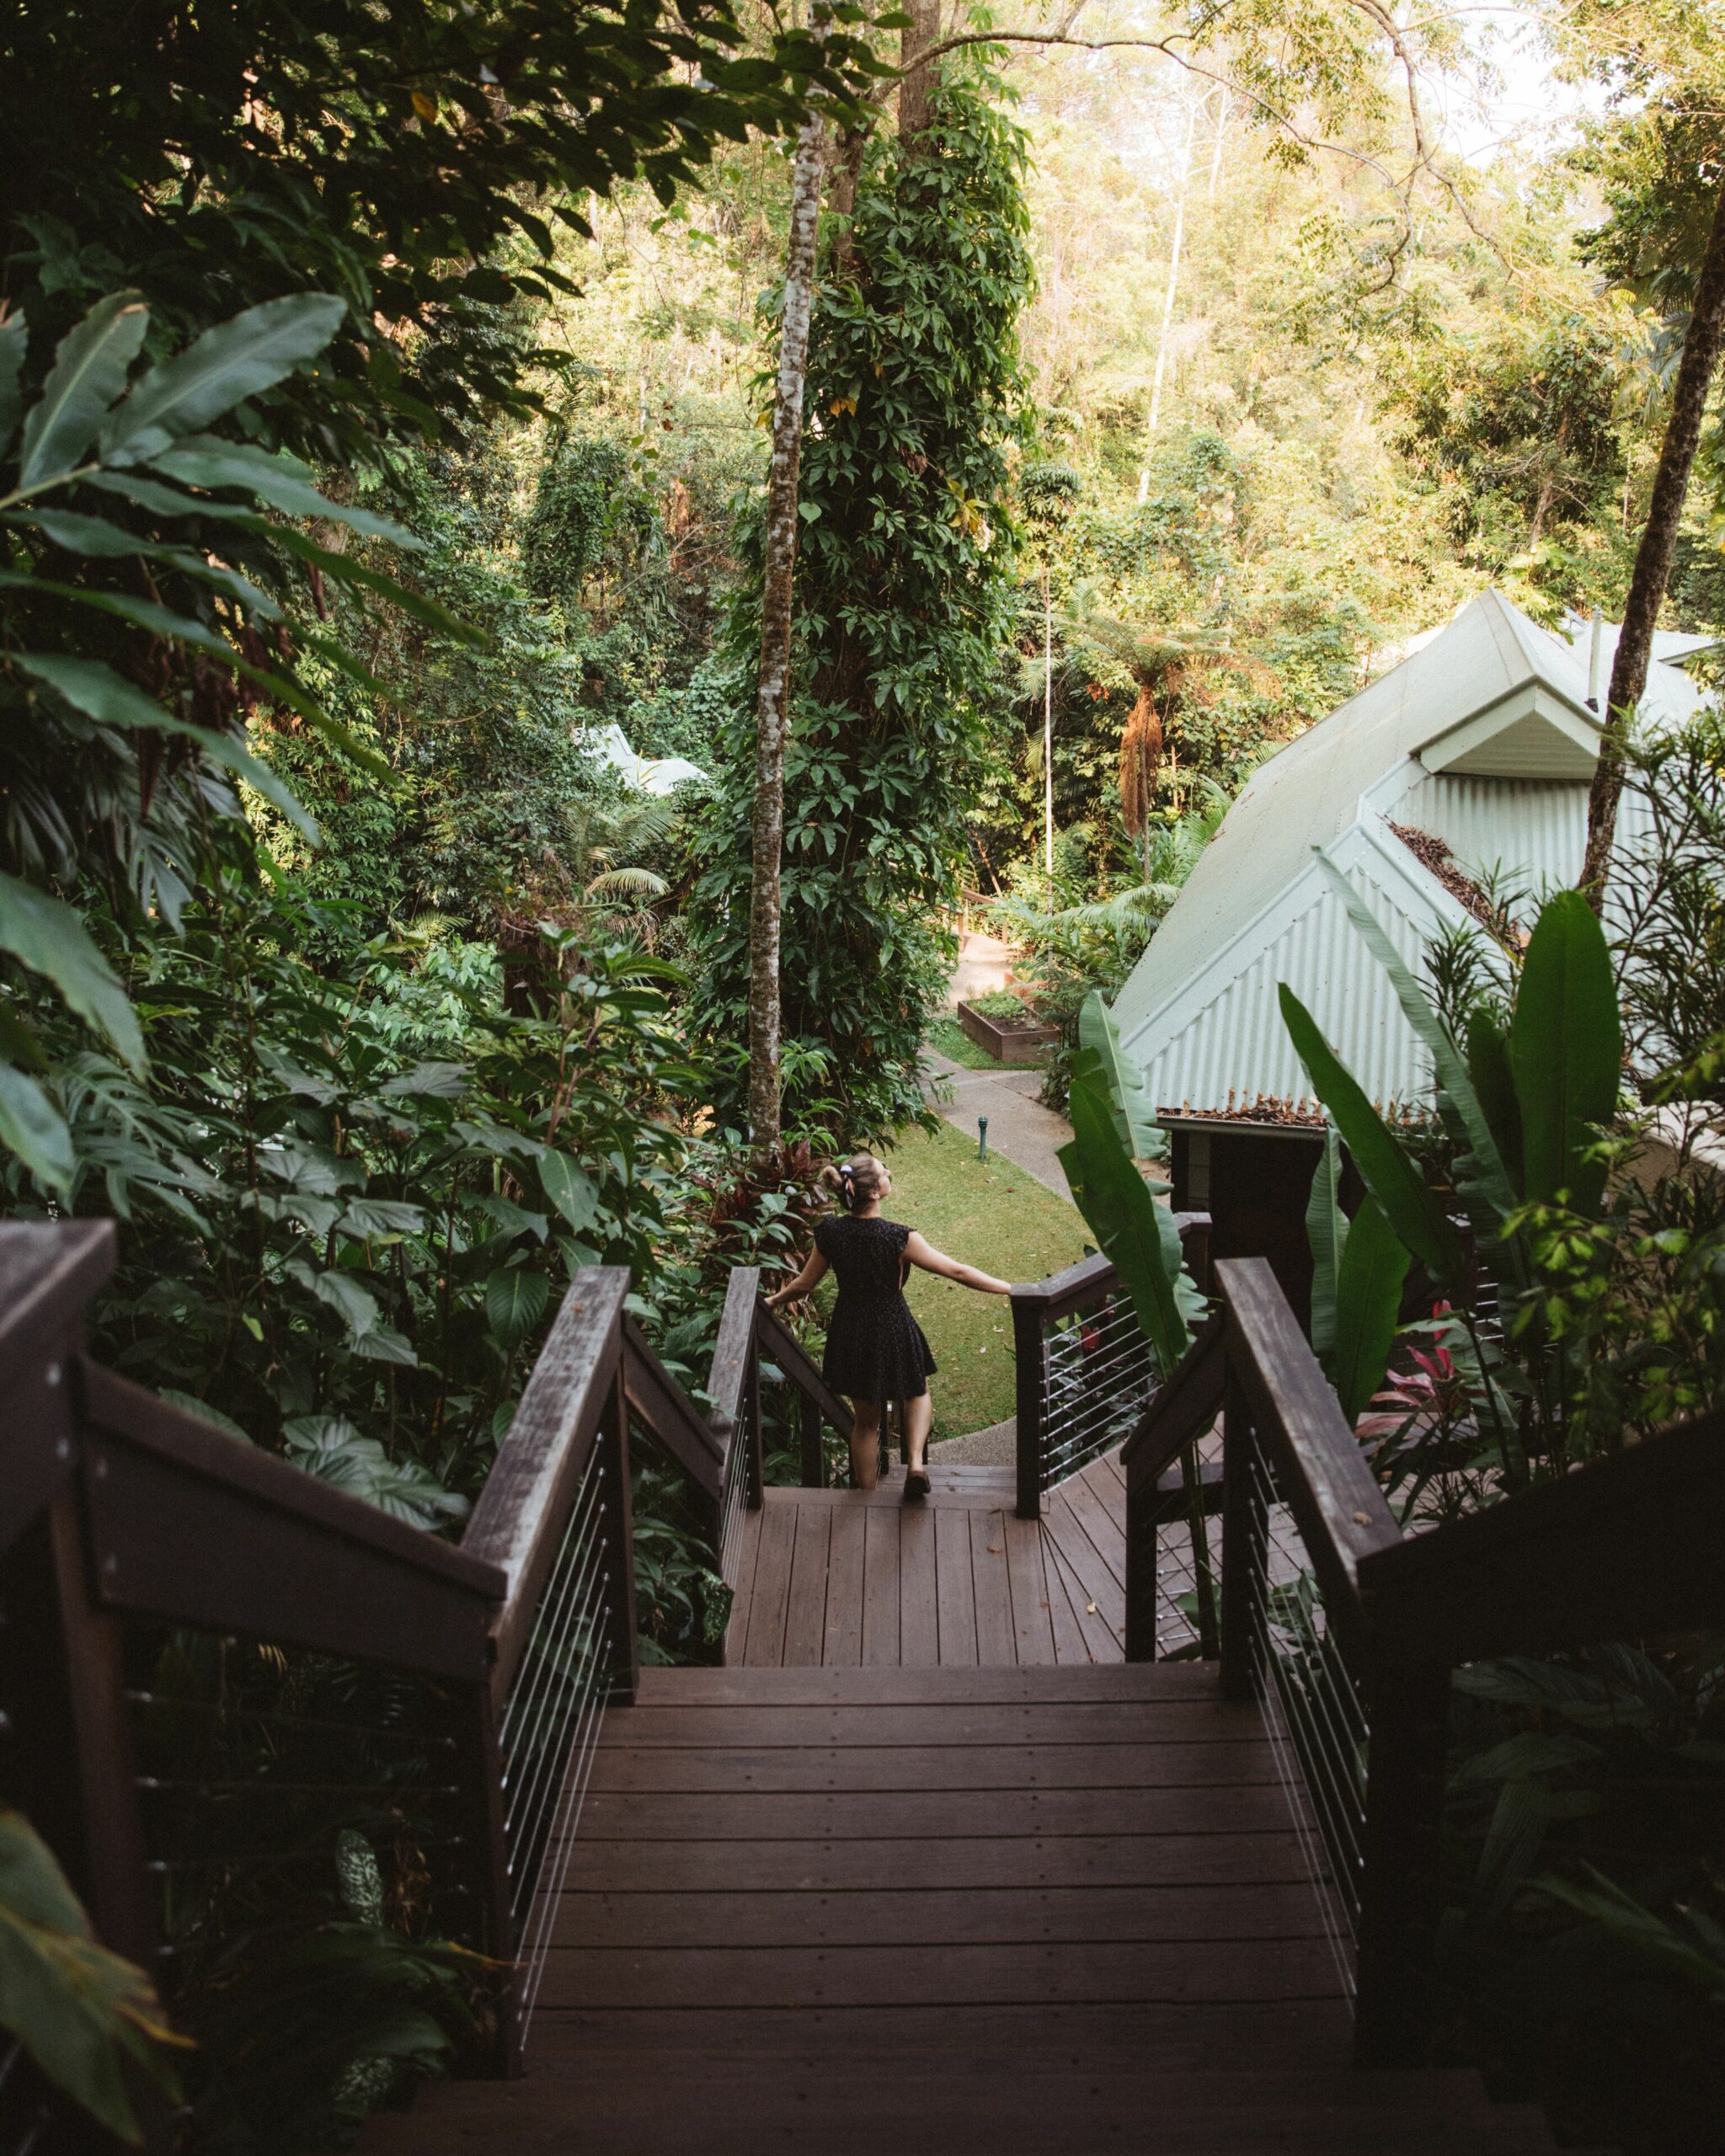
(1200, 1009)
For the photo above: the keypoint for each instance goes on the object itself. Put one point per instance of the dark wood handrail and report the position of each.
(734, 1351)
(193, 1526)
(800, 1368)
(1037, 1304)
(1619, 1548)
(671, 1416)
(1342, 1514)
(524, 1505)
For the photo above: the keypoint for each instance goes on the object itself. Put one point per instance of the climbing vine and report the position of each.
(904, 611)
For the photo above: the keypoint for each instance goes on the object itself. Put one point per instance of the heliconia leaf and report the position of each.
(281, 480)
(1455, 1093)
(570, 1189)
(108, 698)
(514, 1303)
(1134, 1117)
(1494, 1080)
(88, 374)
(1327, 1231)
(230, 362)
(1142, 1237)
(14, 337)
(43, 934)
(85, 535)
(1390, 1172)
(1566, 1050)
(33, 1128)
(1368, 1284)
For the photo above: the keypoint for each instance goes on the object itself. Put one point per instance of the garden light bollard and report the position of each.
(982, 1130)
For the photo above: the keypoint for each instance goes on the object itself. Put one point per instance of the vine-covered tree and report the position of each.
(904, 611)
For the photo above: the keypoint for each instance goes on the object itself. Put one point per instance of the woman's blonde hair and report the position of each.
(855, 1182)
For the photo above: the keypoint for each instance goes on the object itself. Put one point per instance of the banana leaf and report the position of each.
(1131, 1228)
(1566, 1051)
(1368, 1305)
(1134, 1118)
(1494, 1080)
(1327, 1231)
(1390, 1172)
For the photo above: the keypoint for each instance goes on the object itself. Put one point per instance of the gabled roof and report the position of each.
(1481, 737)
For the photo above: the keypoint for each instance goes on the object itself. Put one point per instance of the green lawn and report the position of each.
(995, 1216)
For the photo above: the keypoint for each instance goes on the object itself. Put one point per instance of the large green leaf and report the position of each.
(570, 1189)
(1390, 1172)
(1140, 1236)
(88, 373)
(32, 1128)
(78, 2011)
(46, 935)
(1134, 1117)
(111, 700)
(514, 1303)
(1327, 1231)
(1494, 1082)
(1485, 1172)
(1368, 1306)
(281, 480)
(1566, 1051)
(14, 337)
(235, 360)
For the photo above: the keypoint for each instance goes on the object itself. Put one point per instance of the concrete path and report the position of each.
(984, 966)
(1019, 1127)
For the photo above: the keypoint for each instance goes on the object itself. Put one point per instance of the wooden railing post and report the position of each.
(1245, 1544)
(484, 1858)
(1401, 1890)
(1028, 1305)
(619, 1535)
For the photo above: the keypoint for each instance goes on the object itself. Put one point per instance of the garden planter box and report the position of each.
(1008, 1040)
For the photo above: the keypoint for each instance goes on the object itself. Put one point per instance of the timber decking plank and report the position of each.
(956, 1593)
(1079, 1554)
(880, 1586)
(771, 1596)
(948, 1916)
(1130, 1685)
(842, 1643)
(641, 1815)
(806, 1615)
(1103, 1640)
(1107, 1483)
(767, 1866)
(1222, 1970)
(1200, 1764)
(1032, 1626)
(951, 1722)
(1087, 1511)
(919, 1619)
(1072, 1647)
(992, 1586)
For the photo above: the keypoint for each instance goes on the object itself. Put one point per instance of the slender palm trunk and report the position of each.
(1048, 732)
(1653, 558)
(1161, 348)
(774, 680)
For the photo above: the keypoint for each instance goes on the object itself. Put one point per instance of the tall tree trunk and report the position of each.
(774, 681)
(1653, 558)
(1548, 487)
(916, 90)
(1161, 348)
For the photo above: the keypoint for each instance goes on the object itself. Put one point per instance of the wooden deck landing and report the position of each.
(896, 1912)
(838, 1578)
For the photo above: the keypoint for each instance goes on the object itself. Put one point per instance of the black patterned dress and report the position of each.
(875, 1349)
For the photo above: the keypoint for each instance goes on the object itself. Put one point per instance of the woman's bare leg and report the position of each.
(865, 1444)
(919, 1415)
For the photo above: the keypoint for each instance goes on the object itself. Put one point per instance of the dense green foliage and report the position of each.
(903, 600)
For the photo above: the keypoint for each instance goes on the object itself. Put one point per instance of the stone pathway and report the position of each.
(1020, 1128)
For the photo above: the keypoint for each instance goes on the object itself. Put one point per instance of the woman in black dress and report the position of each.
(875, 1350)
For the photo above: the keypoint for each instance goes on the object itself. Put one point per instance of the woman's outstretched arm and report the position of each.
(923, 1253)
(814, 1268)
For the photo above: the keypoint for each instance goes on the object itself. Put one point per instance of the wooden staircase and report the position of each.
(1019, 1910)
